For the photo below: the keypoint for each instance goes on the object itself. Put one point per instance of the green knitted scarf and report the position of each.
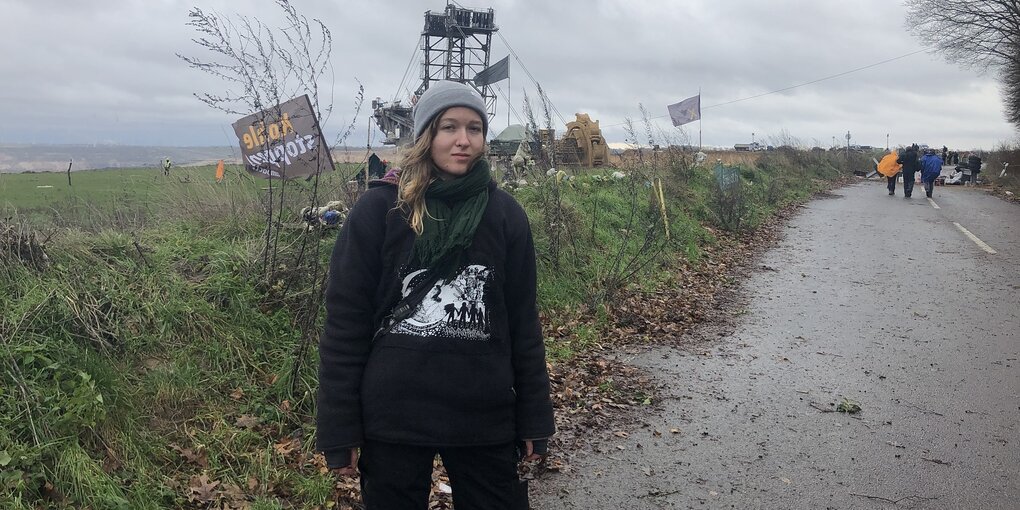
(455, 208)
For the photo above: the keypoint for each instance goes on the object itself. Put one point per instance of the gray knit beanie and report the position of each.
(447, 94)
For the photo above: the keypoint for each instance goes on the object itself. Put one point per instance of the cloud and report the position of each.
(108, 71)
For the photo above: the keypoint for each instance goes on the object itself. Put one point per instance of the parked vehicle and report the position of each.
(749, 147)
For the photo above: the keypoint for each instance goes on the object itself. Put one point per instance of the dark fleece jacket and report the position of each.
(467, 369)
(909, 161)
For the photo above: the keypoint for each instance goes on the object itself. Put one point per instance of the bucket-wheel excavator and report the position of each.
(582, 144)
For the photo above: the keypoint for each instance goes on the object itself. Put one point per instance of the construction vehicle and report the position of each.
(582, 144)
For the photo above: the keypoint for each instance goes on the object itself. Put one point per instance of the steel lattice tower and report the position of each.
(456, 45)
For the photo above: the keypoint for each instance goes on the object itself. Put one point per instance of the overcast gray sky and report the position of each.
(105, 70)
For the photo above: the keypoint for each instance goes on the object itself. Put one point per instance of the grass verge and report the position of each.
(149, 364)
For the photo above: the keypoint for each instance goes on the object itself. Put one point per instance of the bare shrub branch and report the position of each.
(262, 67)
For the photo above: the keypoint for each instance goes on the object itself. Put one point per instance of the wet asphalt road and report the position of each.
(881, 300)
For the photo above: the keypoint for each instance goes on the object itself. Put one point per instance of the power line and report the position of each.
(403, 80)
(837, 75)
(844, 73)
(533, 80)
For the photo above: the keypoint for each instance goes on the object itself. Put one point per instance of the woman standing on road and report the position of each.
(398, 378)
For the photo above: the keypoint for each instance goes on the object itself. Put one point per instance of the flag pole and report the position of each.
(699, 119)
(509, 89)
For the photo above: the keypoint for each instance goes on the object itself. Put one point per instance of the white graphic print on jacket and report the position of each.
(454, 310)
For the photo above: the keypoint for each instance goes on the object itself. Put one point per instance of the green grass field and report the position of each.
(133, 196)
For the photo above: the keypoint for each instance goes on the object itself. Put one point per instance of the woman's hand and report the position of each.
(350, 469)
(529, 452)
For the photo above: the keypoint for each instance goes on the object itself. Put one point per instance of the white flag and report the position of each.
(688, 110)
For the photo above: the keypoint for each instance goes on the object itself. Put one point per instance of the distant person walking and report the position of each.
(974, 164)
(166, 166)
(911, 165)
(931, 168)
(945, 154)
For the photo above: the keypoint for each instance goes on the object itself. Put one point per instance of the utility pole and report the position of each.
(368, 151)
(887, 141)
(847, 145)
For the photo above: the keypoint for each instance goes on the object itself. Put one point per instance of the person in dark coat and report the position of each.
(974, 164)
(911, 164)
(966, 167)
(396, 392)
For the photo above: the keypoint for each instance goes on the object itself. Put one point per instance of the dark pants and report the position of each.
(399, 477)
(929, 186)
(891, 183)
(908, 183)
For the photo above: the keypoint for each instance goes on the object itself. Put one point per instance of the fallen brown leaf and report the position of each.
(287, 446)
(199, 458)
(202, 490)
(246, 421)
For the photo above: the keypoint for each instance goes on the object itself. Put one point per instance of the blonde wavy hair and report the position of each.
(417, 171)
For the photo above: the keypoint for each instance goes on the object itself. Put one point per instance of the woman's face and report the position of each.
(458, 141)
